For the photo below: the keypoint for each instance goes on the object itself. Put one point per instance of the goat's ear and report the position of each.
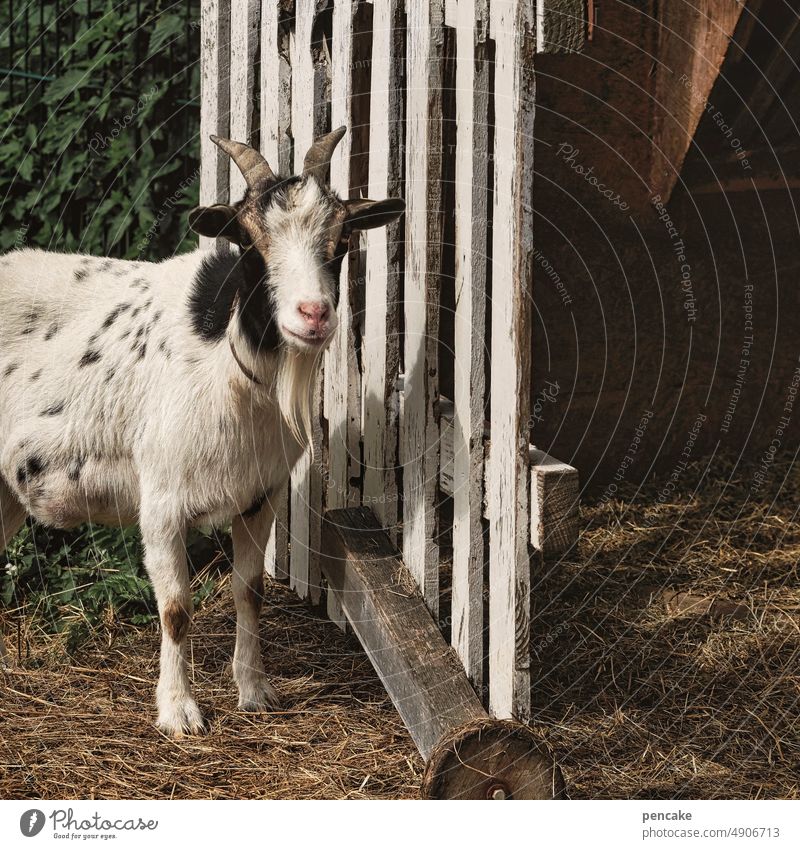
(214, 221)
(366, 214)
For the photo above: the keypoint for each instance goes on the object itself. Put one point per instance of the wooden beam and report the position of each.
(470, 756)
(693, 42)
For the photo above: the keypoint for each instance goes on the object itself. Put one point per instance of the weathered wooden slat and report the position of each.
(276, 88)
(513, 30)
(555, 490)
(471, 190)
(381, 343)
(275, 103)
(309, 91)
(561, 25)
(419, 430)
(470, 756)
(245, 15)
(214, 102)
(342, 378)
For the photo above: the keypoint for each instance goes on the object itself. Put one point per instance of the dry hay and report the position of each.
(666, 660)
(83, 727)
(667, 655)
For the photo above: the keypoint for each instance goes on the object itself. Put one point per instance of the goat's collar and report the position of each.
(245, 371)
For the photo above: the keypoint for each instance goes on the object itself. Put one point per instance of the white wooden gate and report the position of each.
(400, 76)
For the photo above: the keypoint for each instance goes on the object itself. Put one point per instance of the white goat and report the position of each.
(177, 393)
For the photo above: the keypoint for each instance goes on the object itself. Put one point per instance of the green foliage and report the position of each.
(99, 153)
(102, 155)
(75, 581)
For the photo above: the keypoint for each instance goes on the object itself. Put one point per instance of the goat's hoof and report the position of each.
(260, 697)
(181, 719)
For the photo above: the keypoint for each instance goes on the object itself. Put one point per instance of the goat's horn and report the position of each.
(319, 154)
(248, 160)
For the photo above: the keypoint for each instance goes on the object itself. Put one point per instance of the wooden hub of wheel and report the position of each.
(492, 759)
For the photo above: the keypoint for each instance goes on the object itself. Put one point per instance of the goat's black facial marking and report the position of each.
(51, 331)
(214, 288)
(54, 409)
(89, 358)
(33, 466)
(74, 468)
(36, 375)
(10, 369)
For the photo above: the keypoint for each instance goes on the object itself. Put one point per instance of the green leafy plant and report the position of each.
(99, 145)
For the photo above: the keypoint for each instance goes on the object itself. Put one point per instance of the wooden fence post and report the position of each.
(513, 30)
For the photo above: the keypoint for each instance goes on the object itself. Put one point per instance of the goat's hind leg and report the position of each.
(12, 517)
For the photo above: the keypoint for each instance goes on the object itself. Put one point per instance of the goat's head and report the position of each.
(294, 233)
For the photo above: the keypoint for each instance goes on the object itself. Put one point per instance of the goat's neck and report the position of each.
(284, 377)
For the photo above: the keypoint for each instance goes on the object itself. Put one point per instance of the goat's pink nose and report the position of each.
(314, 313)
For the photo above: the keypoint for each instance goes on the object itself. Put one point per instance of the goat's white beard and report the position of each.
(295, 382)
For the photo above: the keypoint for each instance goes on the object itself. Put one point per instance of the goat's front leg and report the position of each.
(250, 534)
(165, 560)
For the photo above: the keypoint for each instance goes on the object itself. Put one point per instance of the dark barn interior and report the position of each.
(666, 229)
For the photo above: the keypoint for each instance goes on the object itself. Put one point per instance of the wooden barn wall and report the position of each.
(656, 339)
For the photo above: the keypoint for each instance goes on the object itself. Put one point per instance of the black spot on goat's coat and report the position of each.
(54, 409)
(36, 375)
(51, 331)
(32, 467)
(74, 468)
(81, 274)
(10, 369)
(89, 358)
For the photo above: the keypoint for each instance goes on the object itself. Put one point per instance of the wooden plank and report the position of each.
(467, 424)
(342, 378)
(381, 342)
(419, 670)
(555, 502)
(469, 755)
(308, 122)
(561, 25)
(275, 104)
(419, 431)
(276, 89)
(214, 102)
(245, 16)
(692, 44)
(513, 29)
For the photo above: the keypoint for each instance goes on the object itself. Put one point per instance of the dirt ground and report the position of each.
(666, 659)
